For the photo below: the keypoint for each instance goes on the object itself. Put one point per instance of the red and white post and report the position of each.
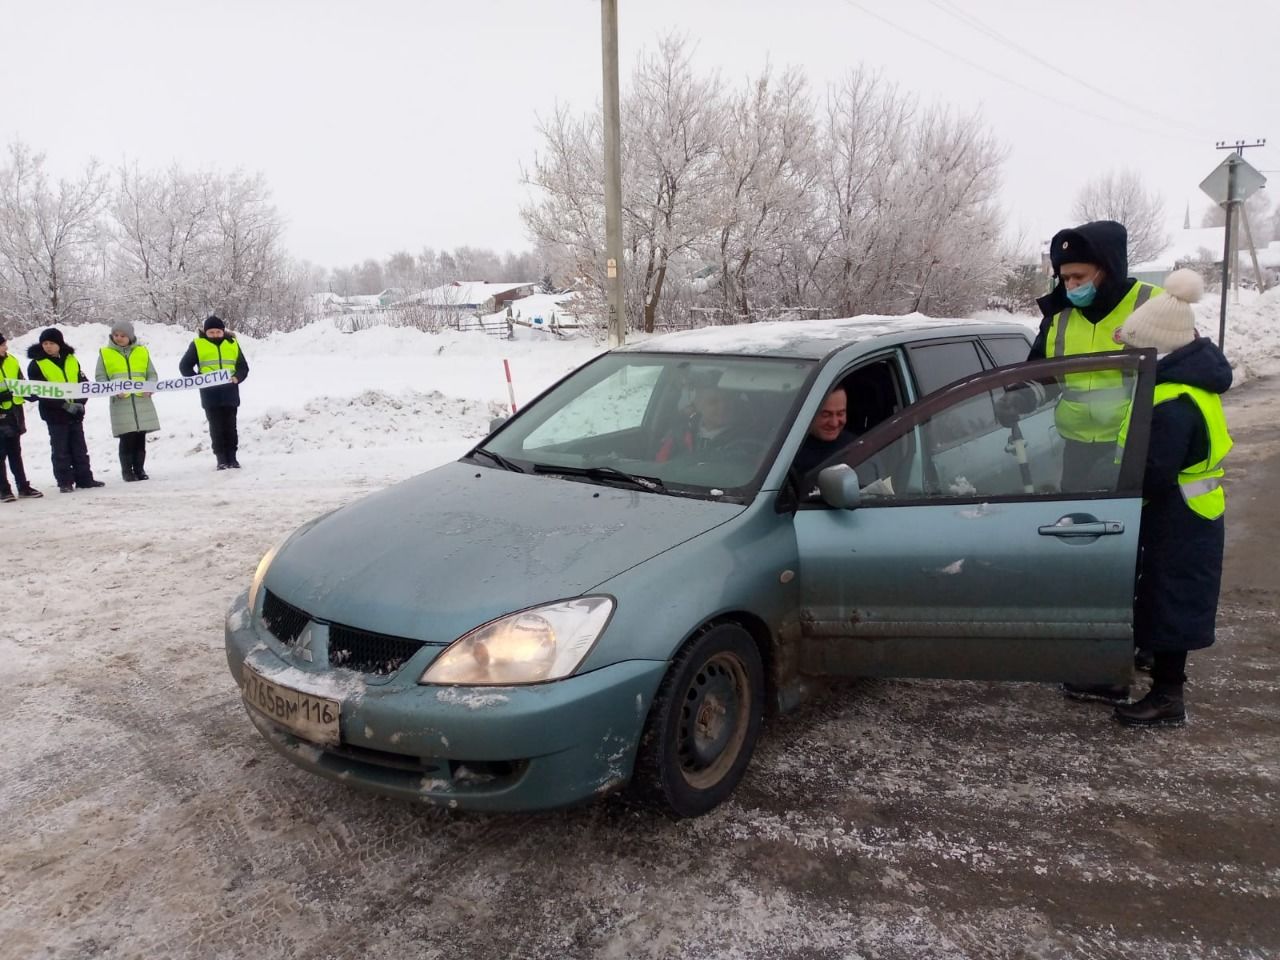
(511, 390)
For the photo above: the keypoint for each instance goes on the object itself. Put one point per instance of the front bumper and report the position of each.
(474, 748)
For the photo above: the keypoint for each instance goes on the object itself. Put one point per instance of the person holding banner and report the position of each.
(133, 415)
(54, 361)
(215, 349)
(13, 424)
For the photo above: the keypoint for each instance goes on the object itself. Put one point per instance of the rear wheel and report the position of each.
(704, 723)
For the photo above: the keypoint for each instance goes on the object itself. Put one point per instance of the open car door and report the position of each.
(966, 558)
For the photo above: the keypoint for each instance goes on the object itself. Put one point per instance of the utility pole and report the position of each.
(612, 173)
(1232, 198)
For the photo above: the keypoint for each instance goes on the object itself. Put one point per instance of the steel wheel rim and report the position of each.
(714, 715)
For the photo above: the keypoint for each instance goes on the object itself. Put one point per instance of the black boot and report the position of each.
(1101, 692)
(1161, 707)
(139, 459)
(126, 468)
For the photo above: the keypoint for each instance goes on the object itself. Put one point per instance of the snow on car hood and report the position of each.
(437, 555)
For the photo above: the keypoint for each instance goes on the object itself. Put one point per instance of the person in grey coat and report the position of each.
(133, 415)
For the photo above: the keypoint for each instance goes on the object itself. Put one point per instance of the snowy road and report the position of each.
(142, 816)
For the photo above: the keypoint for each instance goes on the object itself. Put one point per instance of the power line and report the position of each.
(1021, 86)
(949, 7)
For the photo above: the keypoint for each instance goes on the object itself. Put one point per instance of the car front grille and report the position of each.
(285, 621)
(368, 652)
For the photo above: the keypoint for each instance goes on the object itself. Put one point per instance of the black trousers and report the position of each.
(222, 432)
(69, 454)
(133, 451)
(1169, 666)
(11, 453)
(1088, 466)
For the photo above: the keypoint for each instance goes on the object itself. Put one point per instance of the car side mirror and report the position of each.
(839, 487)
(496, 422)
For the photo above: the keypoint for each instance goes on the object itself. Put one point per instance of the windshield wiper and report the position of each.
(613, 474)
(500, 460)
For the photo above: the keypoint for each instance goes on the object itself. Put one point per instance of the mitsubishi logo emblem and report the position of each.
(302, 646)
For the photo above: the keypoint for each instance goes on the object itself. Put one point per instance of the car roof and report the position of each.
(813, 339)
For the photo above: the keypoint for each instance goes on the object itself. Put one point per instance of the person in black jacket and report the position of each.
(1081, 316)
(1183, 530)
(212, 350)
(53, 360)
(13, 424)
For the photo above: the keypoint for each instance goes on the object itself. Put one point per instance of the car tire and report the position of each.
(703, 725)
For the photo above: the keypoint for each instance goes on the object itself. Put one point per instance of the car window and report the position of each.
(701, 424)
(951, 451)
(617, 402)
(1006, 350)
(938, 364)
(935, 366)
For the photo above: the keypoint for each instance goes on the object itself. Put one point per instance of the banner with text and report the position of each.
(43, 390)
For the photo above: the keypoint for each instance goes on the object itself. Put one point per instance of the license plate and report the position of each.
(310, 717)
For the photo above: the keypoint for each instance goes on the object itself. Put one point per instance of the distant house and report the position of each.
(471, 296)
(329, 303)
(1195, 245)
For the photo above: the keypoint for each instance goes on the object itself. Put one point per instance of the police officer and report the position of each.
(1081, 316)
(1181, 542)
(13, 424)
(212, 350)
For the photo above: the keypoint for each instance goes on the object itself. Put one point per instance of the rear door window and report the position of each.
(937, 364)
(1006, 350)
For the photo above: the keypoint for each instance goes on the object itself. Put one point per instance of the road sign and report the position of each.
(1248, 180)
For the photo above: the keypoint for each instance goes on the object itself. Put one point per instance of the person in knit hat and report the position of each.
(1181, 540)
(13, 424)
(133, 415)
(54, 360)
(214, 349)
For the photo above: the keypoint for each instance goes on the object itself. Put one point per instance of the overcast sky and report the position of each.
(397, 124)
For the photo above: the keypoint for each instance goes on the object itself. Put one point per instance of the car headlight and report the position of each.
(541, 643)
(258, 575)
(255, 586)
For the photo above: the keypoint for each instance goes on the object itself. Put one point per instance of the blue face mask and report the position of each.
(1083, 295)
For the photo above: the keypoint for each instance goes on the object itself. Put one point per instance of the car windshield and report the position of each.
(674, 424)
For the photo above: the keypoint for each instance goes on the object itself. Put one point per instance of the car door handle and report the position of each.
(1066, 527)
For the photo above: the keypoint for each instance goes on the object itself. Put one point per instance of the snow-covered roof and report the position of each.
(1186, 245)
(809, 339)
(1268, 256)
(466, 293)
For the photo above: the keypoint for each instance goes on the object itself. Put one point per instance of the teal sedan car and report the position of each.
(680, 539)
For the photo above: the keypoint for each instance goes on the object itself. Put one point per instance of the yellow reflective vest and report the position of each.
(221, 355)
(69, 372)
(1200, 483)
(10, 370)
(120, 367)
(1093, 405)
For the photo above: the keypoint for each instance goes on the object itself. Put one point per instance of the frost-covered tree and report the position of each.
(163, 225)
(758, 203)
(763, 197)
(188, 244)
(1122, 196)
(50, 247)
(672, 127)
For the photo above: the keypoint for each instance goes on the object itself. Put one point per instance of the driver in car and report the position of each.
(829, 434)
(712, 427)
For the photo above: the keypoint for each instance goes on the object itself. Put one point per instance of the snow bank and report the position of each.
(377, 405)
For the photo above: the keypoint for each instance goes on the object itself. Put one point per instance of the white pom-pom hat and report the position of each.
(1166, 322)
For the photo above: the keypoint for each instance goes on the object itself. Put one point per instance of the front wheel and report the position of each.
(704, 723)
